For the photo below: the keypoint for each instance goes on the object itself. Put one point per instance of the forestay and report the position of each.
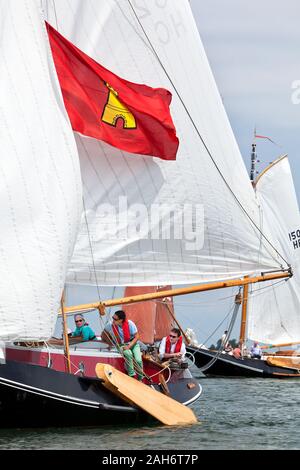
(190, 226)
(40, 201)
(274, 308)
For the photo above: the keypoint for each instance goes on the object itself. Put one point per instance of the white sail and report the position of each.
(214, 239)
(40, 202)
(274, 307)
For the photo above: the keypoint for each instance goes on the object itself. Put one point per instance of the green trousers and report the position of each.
(133, 354)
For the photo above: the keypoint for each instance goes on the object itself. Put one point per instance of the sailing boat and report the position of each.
(198, 219)
(271, 313)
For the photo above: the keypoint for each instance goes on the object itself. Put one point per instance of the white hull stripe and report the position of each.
(64, 398)
(57, 396)
(194, 398)
(234, 363)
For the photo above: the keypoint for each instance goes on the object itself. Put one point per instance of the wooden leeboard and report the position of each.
(162, 407)
(284, 362)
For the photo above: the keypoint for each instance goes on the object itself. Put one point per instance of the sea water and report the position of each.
(233, 413)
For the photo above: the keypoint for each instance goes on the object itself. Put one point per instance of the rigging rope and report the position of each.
(200, 136)
(54, 8)
(64, 355)
(220, 350)
(91, 249)
(137, 368)
(217, 327)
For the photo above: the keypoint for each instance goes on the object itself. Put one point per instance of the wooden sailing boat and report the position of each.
(269, 316)
(198, 218)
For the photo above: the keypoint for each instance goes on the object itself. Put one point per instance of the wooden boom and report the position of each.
(270, 346)
(175, 292)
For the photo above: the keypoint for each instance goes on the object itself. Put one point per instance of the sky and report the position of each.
(253, 49)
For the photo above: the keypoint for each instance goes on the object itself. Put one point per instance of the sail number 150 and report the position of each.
(295, 238)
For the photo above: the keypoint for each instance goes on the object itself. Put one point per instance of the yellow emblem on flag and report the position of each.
(115, 110)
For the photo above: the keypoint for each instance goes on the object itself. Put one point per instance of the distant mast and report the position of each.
(253, 163)
(242, 339)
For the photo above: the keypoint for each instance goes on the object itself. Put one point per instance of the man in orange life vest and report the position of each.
(125, 334)
(172, 346)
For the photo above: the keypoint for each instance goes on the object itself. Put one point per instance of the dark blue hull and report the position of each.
(228, 366)
(35, 396)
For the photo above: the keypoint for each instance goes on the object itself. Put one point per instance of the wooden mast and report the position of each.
(187, 341)
(244, 313)
(181, 291)
(253, 162)
(65, 335)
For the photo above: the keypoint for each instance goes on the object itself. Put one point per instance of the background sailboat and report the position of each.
(273, 311)
(274, 315)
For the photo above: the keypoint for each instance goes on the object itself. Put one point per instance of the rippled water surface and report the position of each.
(233, 414)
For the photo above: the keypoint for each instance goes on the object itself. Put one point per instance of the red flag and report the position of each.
(132, 117)
(264, 137)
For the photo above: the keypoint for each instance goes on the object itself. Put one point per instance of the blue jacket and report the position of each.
(85, 331)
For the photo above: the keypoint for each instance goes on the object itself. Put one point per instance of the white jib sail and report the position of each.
(40, 201)
(152, 221)
(274, 307)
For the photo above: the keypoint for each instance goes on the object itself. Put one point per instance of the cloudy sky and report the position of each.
(254, 52)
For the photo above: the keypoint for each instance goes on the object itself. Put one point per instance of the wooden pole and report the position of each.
(279, 345)
(65, 335)
(244, 312)
(180, 291)
(187, 341)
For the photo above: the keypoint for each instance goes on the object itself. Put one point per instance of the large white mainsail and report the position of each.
(274, 308)
(219, 240)
(40, 201)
